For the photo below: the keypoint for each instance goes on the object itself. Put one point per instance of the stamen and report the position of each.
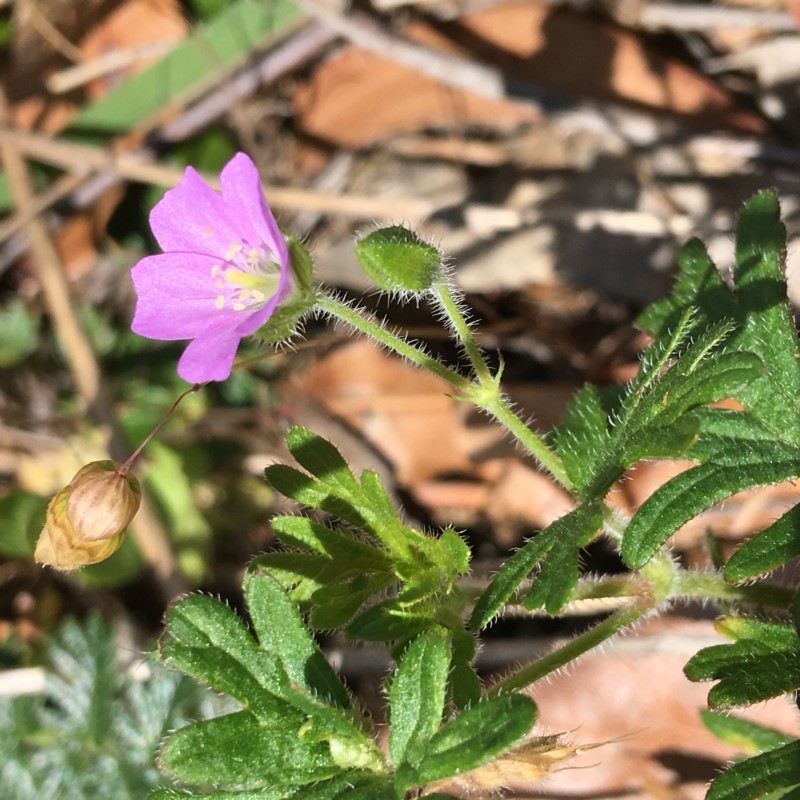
(233, 250)
(219, 303)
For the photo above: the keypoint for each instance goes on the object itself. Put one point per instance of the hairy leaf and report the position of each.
(239, 749)
(747, 736)
(768, 550)
(416, 698)
(757, 777)
(476, 736)
(697, 489)
(281, 631)
(762, 662)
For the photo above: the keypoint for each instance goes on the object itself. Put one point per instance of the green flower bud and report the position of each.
(398, 260)
(86, 521)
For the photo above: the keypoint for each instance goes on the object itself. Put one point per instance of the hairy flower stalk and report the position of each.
(224, 272)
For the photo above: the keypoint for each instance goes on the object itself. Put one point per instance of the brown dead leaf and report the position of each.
(358, 98)
(405, 413)
(635, 693)
(793, 7)
(583, 56)
(130, 30)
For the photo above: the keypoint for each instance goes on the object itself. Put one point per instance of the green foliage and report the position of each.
(736, 450)
(292, 730)
(685, 368)
(774, 774)
(94, 731)
(417, 698)
(763, 662)
(747, 736)
(19, 332)
(297, 732)
(225, 41)
(710, 343)
(334, 572)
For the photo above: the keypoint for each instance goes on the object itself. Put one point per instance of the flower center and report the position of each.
(246, 281)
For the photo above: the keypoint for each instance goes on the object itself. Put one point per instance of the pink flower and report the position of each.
(224, 270)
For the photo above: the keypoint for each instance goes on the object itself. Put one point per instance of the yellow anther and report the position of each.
(216, 270)
(232, 251)
(239, 306)
(219, 303)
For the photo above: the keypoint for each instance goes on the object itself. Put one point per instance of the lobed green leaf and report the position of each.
(758, 308)
(205, 639)
(417, 697)
(560, 568)
(240, 750)
(281, 632)
(697, 489)
(476, 736)
(763, 662)
(508, 579)
(309, 492)
(321, 459)
(580, 438)
(760, 775)
(744, 734)
(767, 550)
(304, 533)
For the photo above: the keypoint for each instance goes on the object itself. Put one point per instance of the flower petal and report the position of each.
(193, 218)
(176, 296)
(209, 357)
(244, 197)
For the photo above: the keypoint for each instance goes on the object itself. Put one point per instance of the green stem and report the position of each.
(446, 298)
(342, 311)
(712, 586)
(575, 648)
(485, 394)
(498, 407)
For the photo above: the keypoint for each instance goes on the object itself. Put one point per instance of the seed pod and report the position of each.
(86, 521)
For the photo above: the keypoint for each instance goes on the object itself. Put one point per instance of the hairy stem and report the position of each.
(596, 635)
(337, 309)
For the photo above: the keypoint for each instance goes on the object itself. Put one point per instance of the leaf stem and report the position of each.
(594, 636)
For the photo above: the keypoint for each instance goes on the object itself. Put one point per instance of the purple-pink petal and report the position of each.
(209, 357)
(190, 291)
(193, 218)
(176, 295)
(241, 189)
